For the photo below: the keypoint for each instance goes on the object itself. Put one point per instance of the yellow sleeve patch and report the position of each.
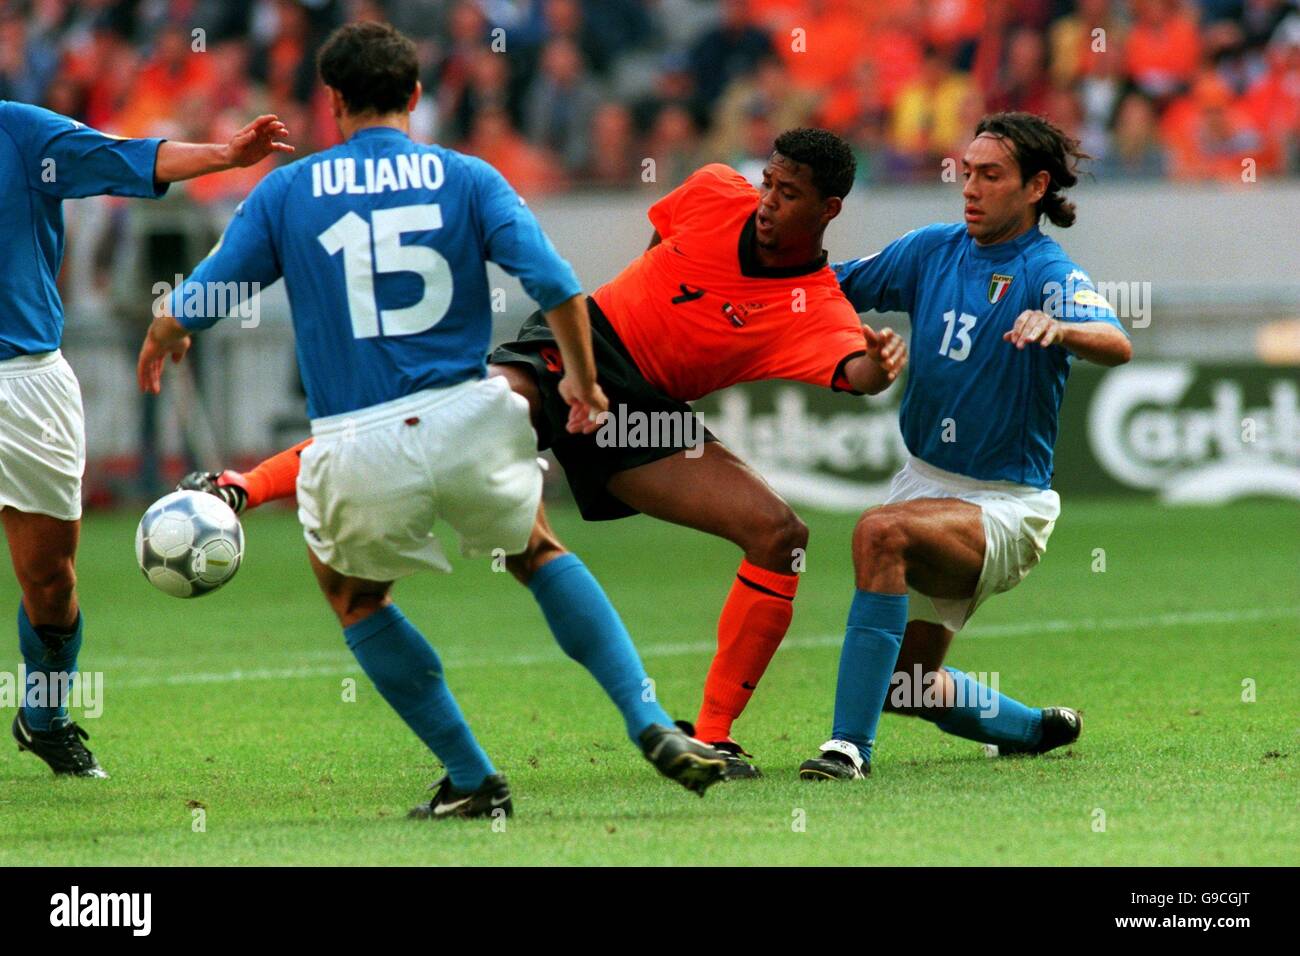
(1089, 297)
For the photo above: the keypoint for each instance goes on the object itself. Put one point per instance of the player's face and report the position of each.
(791, 212)
(998, 205)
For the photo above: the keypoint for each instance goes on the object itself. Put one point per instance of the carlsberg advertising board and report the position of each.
(1180, 432)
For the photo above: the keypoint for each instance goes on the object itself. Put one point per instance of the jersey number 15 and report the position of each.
(354, 237)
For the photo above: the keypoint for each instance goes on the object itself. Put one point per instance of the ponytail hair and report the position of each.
(1040, 146)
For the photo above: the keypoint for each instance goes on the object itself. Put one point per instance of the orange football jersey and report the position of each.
(697, 312)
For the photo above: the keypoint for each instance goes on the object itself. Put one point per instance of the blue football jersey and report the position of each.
(46, 158)
(974, 404)
(383, 244)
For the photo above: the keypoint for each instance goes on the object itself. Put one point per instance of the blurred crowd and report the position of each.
(562, 94)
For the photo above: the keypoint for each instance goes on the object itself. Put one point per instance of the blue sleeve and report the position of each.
(514, 240)
(243, 262)
(886, 281)
(1070, 295)
(69, 160)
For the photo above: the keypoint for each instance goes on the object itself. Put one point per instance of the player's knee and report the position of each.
(776, 540)
(527, 562)
(355, 608)
(880, 535)
(796, 535)
(352, 604)
(49, 590)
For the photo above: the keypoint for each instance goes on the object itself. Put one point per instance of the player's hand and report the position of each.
(154, 351)
(257, 140)
(587, 403)
(1034, 326)
(887, 349)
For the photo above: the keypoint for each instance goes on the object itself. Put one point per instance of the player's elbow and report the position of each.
(861, 376)
(1126, 351)
(1107, 347)
(1120, 352)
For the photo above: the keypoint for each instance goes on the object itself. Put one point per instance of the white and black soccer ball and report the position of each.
(189, 543)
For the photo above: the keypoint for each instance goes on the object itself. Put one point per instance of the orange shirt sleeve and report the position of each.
(816, 348)
(697, 201)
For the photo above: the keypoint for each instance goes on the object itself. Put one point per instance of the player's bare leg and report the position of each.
(944, 561)
(719, 494)
(933, 545)
(543, 547)
(351, 599)
(44, 551)
(960, 704)
(584, 623)
(925, 645)
(407, 672)
(589, 631)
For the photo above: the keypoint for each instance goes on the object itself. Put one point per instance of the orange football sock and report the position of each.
(753, 622)
(277, 477)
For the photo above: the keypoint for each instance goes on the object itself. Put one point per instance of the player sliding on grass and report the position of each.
(46, 158)
(733, 288)
(382, 244)
(998, 313)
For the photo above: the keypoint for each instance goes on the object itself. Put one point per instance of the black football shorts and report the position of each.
(587, 464)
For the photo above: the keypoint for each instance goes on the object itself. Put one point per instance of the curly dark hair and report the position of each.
(829, 157)
(1040, 146)
(372, 65)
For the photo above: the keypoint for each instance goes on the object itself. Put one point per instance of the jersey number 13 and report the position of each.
(962, 324)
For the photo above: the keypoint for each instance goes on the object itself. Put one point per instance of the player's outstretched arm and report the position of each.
(252, 144)
(245, 259)
(571, 325)
(516, 242)
(1098, 342)
(886, 357)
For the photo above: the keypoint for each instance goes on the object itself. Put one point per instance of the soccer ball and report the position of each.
(189, 543)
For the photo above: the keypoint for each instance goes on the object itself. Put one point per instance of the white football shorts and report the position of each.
(1017, 523)
(374, 482)
(42, 436)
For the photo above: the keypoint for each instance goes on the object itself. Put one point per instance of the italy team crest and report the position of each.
(998, 287)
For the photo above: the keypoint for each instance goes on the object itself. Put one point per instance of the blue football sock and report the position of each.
(589, 630)
(872, 640)
(408, 674)
(47, 662)
(981, 713)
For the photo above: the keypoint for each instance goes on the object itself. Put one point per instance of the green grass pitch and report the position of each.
(236, 703)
